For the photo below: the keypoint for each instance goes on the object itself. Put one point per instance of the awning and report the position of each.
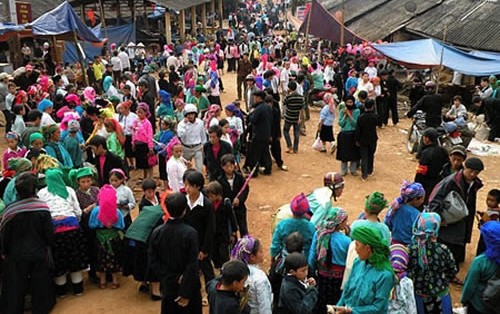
(178, 5)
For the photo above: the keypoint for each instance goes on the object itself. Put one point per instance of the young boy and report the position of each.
(200, 215)
(492, 213)
(225, 224)
(223, 292)
(19, 126)
(173, 254)
(232, 183)
(298, 293)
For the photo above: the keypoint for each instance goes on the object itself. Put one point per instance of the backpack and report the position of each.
(491, 293)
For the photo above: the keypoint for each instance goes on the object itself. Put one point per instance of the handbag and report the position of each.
(317, 145)
(491, 293)
(454, 208)
(152, 160)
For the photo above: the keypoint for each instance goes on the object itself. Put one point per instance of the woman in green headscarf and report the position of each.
(328, 255)
(372, 278)
(19, 165)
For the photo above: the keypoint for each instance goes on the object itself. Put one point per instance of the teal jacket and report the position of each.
(481, 270)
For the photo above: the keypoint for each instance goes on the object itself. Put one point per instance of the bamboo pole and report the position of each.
(182, 25)
(204, 18)
(82, 61)
(308, 25)
(103, 18)
(193, 20)
(221, 16)
(441, 57)
(168, 27)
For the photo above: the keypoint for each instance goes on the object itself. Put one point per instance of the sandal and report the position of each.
(102, 286)
(115, 285)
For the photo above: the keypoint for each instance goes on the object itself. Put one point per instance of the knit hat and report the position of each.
(474, 163)
(431, 133)
(299, 205)
(399, 257)
(375, 202)
(73, 126)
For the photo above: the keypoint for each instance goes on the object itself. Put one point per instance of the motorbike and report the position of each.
(315, 96)
(450, 133)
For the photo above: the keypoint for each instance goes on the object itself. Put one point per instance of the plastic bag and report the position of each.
(317, 145)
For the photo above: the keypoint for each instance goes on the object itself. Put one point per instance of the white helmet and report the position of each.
(190, 108)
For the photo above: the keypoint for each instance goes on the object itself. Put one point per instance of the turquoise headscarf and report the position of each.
(106, 83)
(425, 227)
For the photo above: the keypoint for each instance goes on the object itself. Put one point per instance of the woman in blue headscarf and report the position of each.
(483, 268)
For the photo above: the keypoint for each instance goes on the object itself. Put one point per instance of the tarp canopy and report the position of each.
(430, 52)
(63, 22)
(486, 54)
(10, 27)
(116, 34)
(324, 25)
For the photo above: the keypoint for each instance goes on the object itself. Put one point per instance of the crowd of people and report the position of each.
(68, 210)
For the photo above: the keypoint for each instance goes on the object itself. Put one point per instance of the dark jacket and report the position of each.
(429, 167)
(295, 298)
(112, 161)
(459, 232)
(276, 124)
(238, 183)
(432, 105)
(261, 119)
(202, 219)
(173, 254)
(366, 128)
(212, 162)
(223, 302)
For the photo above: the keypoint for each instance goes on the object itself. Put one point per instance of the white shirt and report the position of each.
(124, 196)
(328, 74)
(133, 90)
(175, 170)
(236, 122)
(191, 133)
(172, 60)
(260, 295)
(371, 71)
(226, 138)
(58, 206)
(284, 80)
(116, 63)
(126, 122)
(46, 120)
(124, 59)
(198, 201)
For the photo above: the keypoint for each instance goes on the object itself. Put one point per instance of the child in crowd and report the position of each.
(173, 255)
(299, 207)
(36, 141)
(226, 227)
(71, 144)
(492, 213)
(233, 188)
(116, 139)
(226, 129)
(201, 216)
(151, 197)
(325, 125)
(251, 252)
(176, 165)
(402, 297)
(108, 222)
(403, 212)
(13, 149)
(328, 255)
(162, 138)
(298, 293)
(124, 195)
(86, 194)
(19, 126)
(213, 150)
(431, 266)
(224, 292)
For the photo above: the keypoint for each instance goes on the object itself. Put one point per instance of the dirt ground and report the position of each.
(267, 193)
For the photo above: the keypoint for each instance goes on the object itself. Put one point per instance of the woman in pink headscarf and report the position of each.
(219, 53)
(89, 94)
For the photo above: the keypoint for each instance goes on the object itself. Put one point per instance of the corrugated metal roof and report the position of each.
(387, 18)
(40, 7)
(352, 8)
(474, 25)
(178, 5)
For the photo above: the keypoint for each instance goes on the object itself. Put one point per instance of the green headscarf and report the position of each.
(375, 202)
(333, 218)
(55, 182)
(36, 136)
(380, 250)
(19, 164)
(48, 130)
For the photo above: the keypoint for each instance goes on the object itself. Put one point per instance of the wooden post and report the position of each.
(441, 57)
(103, 18)
(204, 18)
(308, 25)
(193, 21)
(80, 57)
(212, 13)
(182, 25)
(221, 17)
(168, 29)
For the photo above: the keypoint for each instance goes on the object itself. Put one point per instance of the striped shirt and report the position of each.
(293, 103)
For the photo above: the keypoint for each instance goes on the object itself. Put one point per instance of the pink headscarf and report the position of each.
(170, 146)
(89, 94)
(212, 110)
(66, 118)
(73, 98)
(108, 209)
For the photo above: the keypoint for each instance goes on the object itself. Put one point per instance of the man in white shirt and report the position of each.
(285, 78)
(172, 60)
(116, 65)
(191, 133)
(371, 70)
(124, 59)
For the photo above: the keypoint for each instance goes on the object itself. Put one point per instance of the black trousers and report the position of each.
(241, 218)
(276, 151)
(393, 107)
(382, 112)
(8, 120)
(169, 306)
(240, 82)
(367, 156)
(259, 155)
(207, 268)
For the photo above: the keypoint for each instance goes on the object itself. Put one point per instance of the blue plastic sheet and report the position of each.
(430, 52)
(10, 27)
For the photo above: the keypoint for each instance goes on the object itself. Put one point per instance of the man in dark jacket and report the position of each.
(392, 100)
(244, 69)
(276, 132)
(366, 138)
(467, 183)
(213, 150)
(431, 104)
(111, 161)
(261, 119)
(431, 162)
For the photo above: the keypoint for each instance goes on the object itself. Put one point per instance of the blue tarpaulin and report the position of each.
(115, 34)
(10, 27)
(486, 54)
(430, 52)
(62, 20)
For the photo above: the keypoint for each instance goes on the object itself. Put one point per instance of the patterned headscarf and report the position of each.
(425, 227)
(48, 130)
(12, 136)
(55, 183)
(491, 235)
(45, 162)
(144, 107)
(243, 249)
(19, 164)
(409, 191)
(89, 94)
(333, 218)
(399, 259)
(170, 146)
(212, 110)
(375, 202)
(380, 250)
